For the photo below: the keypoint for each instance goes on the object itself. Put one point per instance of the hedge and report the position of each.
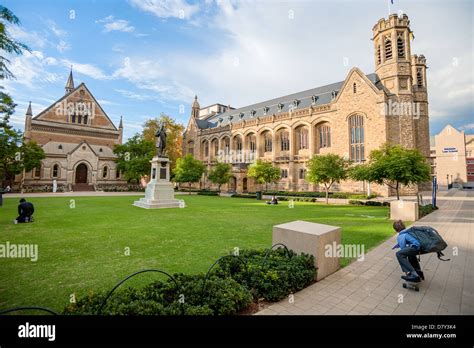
(426, 209)
(317, 194)
(233, 284)
(370, 203)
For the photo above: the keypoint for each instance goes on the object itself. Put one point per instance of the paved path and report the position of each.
(373, 286)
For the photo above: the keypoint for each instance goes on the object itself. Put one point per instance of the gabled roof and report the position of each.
(303, 99)
(67, 95)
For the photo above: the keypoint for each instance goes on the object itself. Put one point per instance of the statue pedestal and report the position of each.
(159, 192)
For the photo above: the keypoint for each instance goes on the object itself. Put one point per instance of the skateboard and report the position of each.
(411, 285)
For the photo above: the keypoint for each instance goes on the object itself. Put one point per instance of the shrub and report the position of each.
(243, 195)
(426, 209)
(208, 193)
(280, 275)
(232, 286)
(221, 296)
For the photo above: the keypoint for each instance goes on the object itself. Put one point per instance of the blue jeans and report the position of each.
(407, 259)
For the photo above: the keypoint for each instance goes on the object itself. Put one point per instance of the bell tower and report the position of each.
(392, 51)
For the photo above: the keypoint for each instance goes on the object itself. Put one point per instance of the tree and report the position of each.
(188, 169)
(174, 136)
(7, 43)
(16, 155)
(134, 157)
(393, 165)
(326, 170)
(220, 174)
(7, 108)
(264, 172)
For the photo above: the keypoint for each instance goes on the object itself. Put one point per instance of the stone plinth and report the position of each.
(404, 210)
(310, 238)
(159, 192)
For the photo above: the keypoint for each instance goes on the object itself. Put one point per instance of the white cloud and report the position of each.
(58, 32)
(112, 24)
(30, 69)
(86, 69)
(167, 8)
(31, 38)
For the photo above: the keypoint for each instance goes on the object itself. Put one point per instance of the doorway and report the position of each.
(81, 174)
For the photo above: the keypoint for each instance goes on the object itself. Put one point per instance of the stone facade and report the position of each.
(452, 154)
(349, 118)
(78, 139)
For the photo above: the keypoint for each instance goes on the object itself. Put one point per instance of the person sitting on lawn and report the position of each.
(407, 255)
(274, 200)
(25, 212)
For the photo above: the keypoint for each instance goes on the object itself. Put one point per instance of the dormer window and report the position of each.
(280, 107)
(314, 99)
(334, 94)
(220, 119)
(253, 112)
(296, 102)
(100, 150)
(60, 147)
(241, 115)
(265, 110)
(231, 117)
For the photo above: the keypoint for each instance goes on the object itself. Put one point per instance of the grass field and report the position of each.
(82, 249)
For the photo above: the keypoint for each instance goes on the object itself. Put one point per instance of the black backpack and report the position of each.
(430, 240)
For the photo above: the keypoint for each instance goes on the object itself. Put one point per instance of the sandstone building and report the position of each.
(452, 154)
(78, 139)
(350, 118)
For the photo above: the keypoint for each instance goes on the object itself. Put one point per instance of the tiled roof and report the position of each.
(297, 101)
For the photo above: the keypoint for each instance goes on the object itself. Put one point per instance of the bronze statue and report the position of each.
(160, 137)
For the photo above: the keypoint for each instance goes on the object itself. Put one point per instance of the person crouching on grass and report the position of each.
(25, 210)
(407, 255)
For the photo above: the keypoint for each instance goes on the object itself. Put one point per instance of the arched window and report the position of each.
(37, 172)
(117, 174)
(379, 55)
(206, 148)
(302, 173)
(354, 88)
(55, 171)
(284, 173)
(356, 138)
(419, 77)
(302, 138)
(190, 149)
(388, 49)
(227, 145)
(79, 119)
(400, 46)
(85, 119)
(105, 172)
(238, 144)
(268, 142)
(285, 141)
(324, 135)
(252, 143)
(73, 118)
(216, 147)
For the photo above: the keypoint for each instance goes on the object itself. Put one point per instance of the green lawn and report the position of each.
(82, 249)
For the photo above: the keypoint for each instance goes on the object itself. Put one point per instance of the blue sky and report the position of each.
(143, 57)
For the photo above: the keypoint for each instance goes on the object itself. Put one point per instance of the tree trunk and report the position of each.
(189, 189)
(398, 194)
(327, 194)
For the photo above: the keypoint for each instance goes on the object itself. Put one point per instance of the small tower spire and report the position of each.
(120, 124)
(196, 107)
(29, 111)
(70, 83)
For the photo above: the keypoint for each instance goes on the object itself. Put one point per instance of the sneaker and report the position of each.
(15, 221)
(420, 273)
(411, 278)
